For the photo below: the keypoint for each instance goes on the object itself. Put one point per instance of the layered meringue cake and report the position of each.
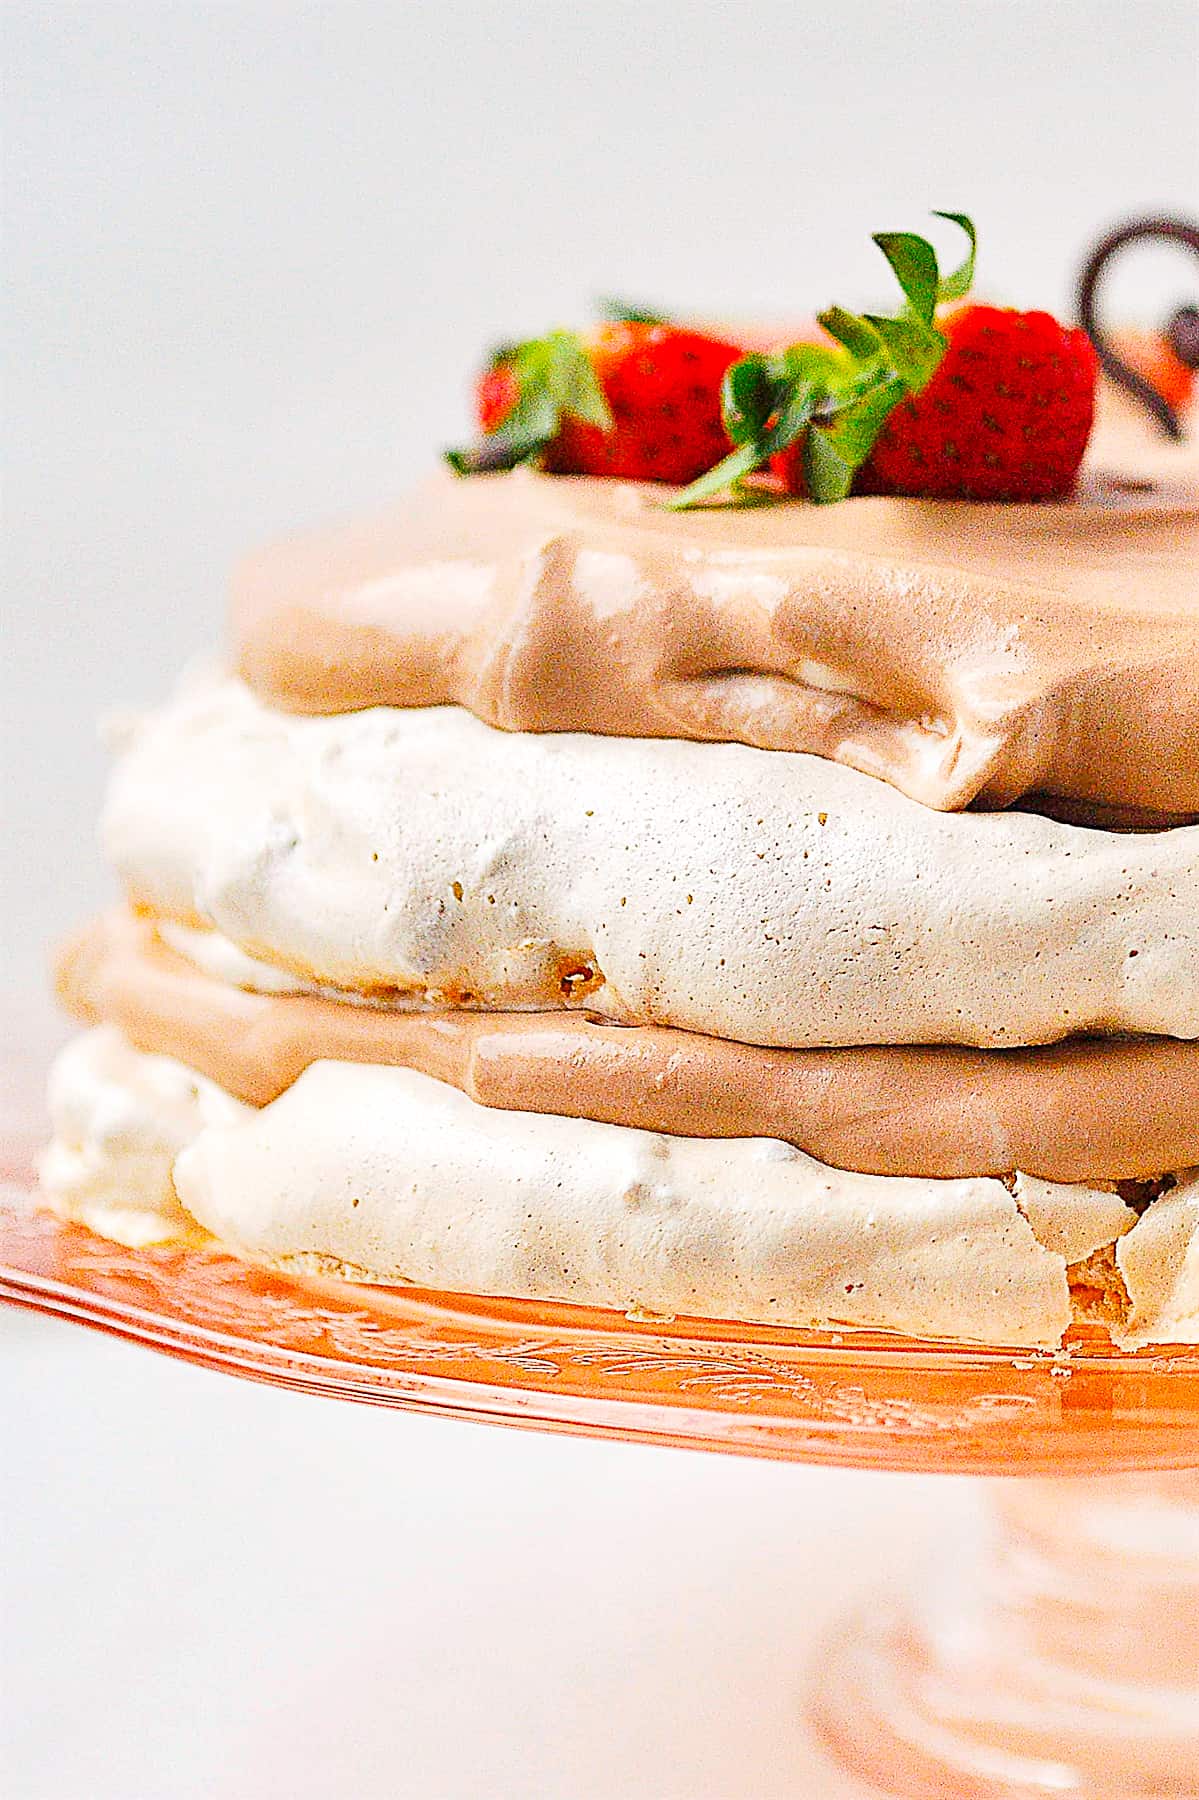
(778, 912)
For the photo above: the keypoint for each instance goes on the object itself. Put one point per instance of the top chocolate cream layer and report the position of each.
(963, 652)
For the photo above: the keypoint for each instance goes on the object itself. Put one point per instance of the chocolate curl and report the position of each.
(1182, 331)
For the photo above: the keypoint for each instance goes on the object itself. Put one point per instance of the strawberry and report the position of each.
(1005, 416)
(982, 403)
(637, 398)
(496, 393)
(662, 385)
(786, 466)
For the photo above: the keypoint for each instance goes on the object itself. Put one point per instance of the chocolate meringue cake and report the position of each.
(776, 912)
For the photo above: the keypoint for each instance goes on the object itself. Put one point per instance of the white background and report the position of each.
(252, 253)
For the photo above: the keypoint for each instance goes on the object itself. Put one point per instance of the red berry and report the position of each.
(787, 468)
(1006, 416)
(496, 393)
(662, 385)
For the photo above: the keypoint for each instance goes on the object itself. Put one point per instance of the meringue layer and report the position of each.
(386, 1175)
(773, 898)
(1094, 1110)
(962, 652)
(120, 1119)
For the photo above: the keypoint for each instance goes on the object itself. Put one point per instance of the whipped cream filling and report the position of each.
(386, 1175)
(769, 897)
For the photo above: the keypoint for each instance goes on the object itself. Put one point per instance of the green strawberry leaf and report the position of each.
(914, 262)
(827, 474)
(850, 329)
(834, 452)
(559, 367)
(782, 409)
(909, 347)
(725, 476)
(535, 416)
(813, 362)
(797, 408)
(502, 449)
(554, 380)
(747, 398)
(620, 312)
(959, 283)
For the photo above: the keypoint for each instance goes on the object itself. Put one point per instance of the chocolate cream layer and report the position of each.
(962, 652)
(1088, 1111)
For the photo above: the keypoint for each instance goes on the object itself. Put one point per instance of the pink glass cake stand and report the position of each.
(1060, 1658)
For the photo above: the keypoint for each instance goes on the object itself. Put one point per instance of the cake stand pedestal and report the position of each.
(1058, 1655)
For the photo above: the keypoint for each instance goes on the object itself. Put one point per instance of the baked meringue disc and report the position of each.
(765, 896)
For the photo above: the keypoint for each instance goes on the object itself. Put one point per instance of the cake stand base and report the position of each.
(1057, 1655)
